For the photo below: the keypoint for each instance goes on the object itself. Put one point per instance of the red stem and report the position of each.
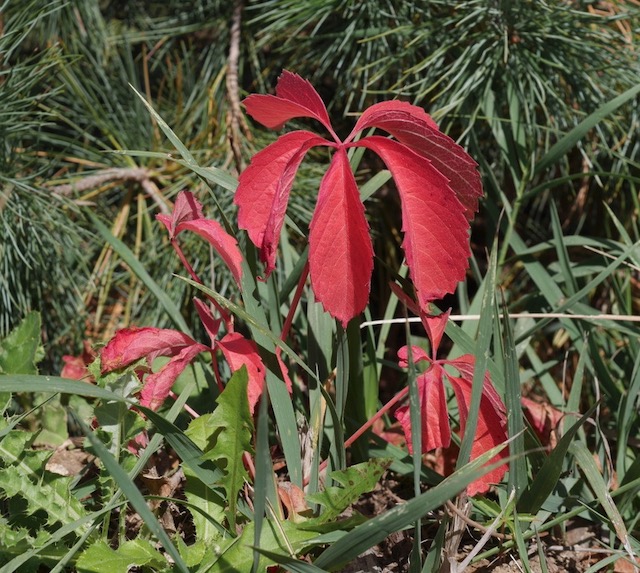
(381, 412)
(294, 303)
(223, 313)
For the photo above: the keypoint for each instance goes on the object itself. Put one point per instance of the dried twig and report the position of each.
(235, 119)
(138, 174)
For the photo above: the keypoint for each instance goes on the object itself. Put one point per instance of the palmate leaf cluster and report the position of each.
(504, 78)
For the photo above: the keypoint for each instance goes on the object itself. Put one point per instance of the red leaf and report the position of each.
(417, 355)
(413, 127)
(131, 344)
(340, 250)
(491, 424)
(433, 407)
(435, 326)
(211, 325)
(226, 246)
(157, 386)
(544, 419)
(436, 242)
(264, 187)
(186, 208)
(187, 215)
(295, 97)
(239, 351)
(75, 367)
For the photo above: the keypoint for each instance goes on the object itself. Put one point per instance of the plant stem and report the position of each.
(381, 412)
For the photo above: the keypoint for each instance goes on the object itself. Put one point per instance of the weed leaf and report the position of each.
(355, 481)
(233, 430)
(100, 558)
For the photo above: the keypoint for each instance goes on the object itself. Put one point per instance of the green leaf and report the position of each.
(207, 523)
(100, 558)
(233, 428)
(21, 350)
(588, 465)
(356, 480)
(235, 555)
(133, 494)
(51, 495)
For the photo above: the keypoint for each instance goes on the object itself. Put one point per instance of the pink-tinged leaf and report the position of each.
(417, 354)
(413, 127)
(491, 424)
(264, 187)
(131, 344)
(436, 241)
(435, 326)
(225, 245)
(157, 386)
(544, 419)
(284, 370)
(404, 298)
(433, 407)
(238, 352)
(186, 208)
(295, 97)
(211, 325)
(75, 367)
(340, 250)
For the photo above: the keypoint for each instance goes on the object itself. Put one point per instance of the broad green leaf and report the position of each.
(51, 495)
(233, 428)
(235, 555)
(100, 558)
(21, 350)
(134, 496)
(211, 504)
(355, 481)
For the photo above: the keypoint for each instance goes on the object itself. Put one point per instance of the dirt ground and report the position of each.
(578, 550)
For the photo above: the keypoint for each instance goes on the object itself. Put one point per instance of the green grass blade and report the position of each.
(171, 136)
(547, 478)
(54, 384)
(585, 460)
(290, 563)
(254, 315)
(627, 417)
(263, 483)
(136, 266)
(565, 143)
(561, 251)
(133, 494)
(485, 333)
(515, 423)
